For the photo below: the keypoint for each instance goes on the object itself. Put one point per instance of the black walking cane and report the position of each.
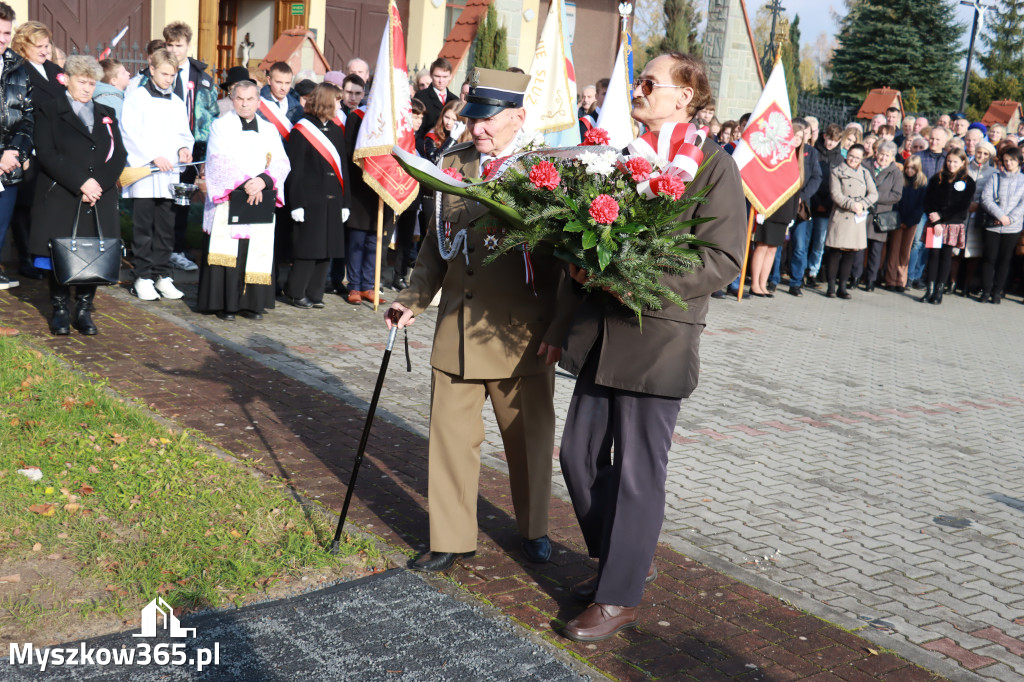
(394, 316)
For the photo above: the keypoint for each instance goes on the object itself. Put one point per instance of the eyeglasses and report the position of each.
(647, 85)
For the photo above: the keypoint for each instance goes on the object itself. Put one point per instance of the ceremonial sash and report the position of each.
(272, 114)
(340, 120)
(588, 122)
(322, 145)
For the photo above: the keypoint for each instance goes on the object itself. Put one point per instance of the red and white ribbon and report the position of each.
(272, 113)
(110, 131)
(322, 145)
(678, 144)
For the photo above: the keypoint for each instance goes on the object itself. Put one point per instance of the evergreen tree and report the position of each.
(681, 21)
(1002, 57)
(490, 50)
(791, 60)
(902, 44)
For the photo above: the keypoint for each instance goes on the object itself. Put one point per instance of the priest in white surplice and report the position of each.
(244, 153)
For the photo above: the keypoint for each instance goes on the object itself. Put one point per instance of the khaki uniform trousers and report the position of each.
(524, 408)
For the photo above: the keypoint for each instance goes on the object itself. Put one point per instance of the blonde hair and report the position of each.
(161, 57)
(919, 180)
(27, 35)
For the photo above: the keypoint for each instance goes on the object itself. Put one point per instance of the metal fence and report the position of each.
(133, 57)
(826, 110)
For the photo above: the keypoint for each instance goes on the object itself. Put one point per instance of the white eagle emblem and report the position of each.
(773, 142)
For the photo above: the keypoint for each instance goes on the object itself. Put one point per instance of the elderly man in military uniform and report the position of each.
(497, 336)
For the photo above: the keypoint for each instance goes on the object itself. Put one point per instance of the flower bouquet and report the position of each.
(614, 215)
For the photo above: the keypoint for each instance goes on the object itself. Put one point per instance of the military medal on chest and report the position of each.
(491, 240)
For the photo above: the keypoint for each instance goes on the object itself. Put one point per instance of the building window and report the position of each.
(452, 12)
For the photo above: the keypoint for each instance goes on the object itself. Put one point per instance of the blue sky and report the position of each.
(816, 17)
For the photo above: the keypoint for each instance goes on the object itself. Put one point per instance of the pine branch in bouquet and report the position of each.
(586, 207)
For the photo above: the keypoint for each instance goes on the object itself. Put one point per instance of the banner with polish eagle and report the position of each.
(768, 154)
(387, 122)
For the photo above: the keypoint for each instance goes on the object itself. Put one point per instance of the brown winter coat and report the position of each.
(849, 186)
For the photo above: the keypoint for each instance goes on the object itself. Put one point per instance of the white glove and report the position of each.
(457, 131)
(344, 215)
(299, 215)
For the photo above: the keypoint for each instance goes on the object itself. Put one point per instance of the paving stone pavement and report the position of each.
(856, 458)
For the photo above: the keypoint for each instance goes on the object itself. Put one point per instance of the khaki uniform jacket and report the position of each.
(660, 356)
(489, 322)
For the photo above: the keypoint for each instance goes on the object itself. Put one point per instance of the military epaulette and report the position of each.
(455, 149)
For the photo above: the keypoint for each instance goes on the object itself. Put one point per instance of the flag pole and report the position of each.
(746, 254)
(376, 263)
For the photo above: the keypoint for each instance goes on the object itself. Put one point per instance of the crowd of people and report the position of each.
(899, 203)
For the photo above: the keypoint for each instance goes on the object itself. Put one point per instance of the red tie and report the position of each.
(441, 97)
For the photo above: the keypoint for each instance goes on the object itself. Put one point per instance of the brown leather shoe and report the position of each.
(354, 297)
(368, 296)
(8, 331)
(601, 621)
(586, 589)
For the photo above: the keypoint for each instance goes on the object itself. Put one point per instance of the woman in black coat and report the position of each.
(947, 201)
(317, 198)
(32, 41)
(76, 166)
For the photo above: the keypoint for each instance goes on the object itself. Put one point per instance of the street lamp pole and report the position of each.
(979, 8)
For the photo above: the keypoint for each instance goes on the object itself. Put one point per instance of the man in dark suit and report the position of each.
(435, 97)
(630, 385)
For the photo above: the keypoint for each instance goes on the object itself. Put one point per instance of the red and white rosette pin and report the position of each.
(62, 79)
(107, 121)
(678, 144)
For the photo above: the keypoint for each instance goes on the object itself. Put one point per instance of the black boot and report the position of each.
(60, 325)
(927, 293)
(83, 305)
(937, 295)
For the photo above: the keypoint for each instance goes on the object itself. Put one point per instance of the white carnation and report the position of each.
(602, 163)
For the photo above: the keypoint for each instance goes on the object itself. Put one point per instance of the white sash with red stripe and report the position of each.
(273, 114)
(340, 120)
(322, 145)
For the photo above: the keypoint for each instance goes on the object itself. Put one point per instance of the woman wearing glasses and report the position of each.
(853, 194)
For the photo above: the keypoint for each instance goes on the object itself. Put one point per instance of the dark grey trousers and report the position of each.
(619, 500)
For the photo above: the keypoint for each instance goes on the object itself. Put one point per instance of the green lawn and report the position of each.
(131, 510)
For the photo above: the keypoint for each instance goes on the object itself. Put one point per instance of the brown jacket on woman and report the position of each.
(849, 186)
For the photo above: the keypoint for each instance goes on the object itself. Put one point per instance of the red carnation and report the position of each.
(639, 168)
(669, 186)
(544, 175)
(604, 209)
(597, 136)
(452, 173)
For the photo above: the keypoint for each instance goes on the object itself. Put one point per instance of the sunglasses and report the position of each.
(647, 85)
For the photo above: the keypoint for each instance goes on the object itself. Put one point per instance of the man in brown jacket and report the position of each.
(630, 384)
(497, 337)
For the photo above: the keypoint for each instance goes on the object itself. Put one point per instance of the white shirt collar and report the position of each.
(39, 68)
(507, 151)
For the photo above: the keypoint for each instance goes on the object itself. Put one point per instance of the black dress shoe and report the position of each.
(251, 315)
(435, 562)
(537, 551)
(31, 271)
(399, 283)
(318, 304)
(303, 303)
(795, 291)
(844, 295)
(227, 317)
(718, 294)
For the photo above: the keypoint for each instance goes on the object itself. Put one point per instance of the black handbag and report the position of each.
(885, 222)
(89, 260)
(983, 218)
